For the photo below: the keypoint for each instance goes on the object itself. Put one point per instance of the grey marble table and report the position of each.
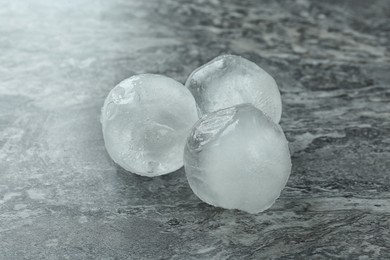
(61, 197)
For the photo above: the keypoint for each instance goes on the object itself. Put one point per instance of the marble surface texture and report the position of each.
(62, 197)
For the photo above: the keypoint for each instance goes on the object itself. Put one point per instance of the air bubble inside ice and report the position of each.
(237, 158)
(146, 119)
(230, 80)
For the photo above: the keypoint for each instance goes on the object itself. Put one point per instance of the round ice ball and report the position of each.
(237, 158)
(230, 80)
(146, 119)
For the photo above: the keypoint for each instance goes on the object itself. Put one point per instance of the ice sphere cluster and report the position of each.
(230, 80)
(237, 158)
(146, 120)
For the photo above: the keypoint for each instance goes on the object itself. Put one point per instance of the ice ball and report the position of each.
(237, 158)
(146, 119)
(230, 80)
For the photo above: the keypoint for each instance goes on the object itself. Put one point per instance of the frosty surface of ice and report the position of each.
(230, 80)
(237, 158)
(146, 119)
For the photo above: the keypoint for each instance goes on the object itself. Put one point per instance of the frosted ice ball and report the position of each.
(146, 119)
(230, 80)
(237, 158)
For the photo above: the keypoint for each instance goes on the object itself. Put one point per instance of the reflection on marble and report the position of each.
(61, 197)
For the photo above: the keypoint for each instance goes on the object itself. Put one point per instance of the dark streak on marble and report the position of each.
(61, 197)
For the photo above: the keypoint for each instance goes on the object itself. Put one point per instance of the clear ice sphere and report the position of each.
(146, 120)
(230, 80)
(237, 158)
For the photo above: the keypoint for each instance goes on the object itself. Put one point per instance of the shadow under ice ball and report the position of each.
(146, 119)
(230, 80)
(237, 158)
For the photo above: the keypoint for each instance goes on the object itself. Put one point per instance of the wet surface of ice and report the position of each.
(146, 119)
(230, 80)
(237, 158)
